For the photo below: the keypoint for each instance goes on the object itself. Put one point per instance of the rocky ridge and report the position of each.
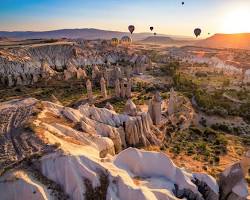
(28, 65)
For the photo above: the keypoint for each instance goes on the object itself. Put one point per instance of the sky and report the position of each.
(167, 16)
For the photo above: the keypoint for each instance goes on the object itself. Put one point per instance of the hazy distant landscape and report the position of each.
(237, 41)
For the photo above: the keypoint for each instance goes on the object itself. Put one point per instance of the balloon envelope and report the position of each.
(126, 40)
(154, 33)
(131, 28)
(151, 28)
(114, 41)
(197, 32)
(182, 3)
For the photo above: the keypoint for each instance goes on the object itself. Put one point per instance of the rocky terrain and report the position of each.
(89, 120)
(26, 66)
(79, 154)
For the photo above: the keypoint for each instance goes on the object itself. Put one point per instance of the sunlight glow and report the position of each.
(237, 21)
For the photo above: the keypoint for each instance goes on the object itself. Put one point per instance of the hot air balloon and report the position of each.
(126, 40)
(114, 41)
(154, 33)
(182, 3)
(131, 28)
(151, 28)
(197, 32)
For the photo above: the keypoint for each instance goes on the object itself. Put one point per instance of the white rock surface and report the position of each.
(86, 152)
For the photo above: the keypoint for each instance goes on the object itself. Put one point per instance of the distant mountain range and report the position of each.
(239, 41)
(236, 41)
(85, 33)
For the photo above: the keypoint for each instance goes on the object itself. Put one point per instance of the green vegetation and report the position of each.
(206, 145)
(213, 102)
(67, 92)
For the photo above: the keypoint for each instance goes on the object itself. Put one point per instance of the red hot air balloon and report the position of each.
(131, 28)
(197, 32)
(151, 28)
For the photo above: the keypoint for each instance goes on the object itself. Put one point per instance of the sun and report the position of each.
(237, 21)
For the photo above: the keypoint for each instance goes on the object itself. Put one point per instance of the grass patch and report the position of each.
(206, 145)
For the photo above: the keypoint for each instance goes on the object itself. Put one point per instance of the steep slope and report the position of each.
(237, 41)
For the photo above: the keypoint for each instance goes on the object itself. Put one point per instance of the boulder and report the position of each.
(231, 181)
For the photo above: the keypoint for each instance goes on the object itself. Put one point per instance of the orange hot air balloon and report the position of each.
(131, 28)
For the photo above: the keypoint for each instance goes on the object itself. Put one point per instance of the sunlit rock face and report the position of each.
(84, 153)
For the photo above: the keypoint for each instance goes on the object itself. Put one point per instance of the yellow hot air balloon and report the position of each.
(114, 41)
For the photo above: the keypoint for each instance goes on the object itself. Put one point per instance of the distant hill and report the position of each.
(84, 33)
(158, 39)
(237, 41)
(166, 40)
(4, 39)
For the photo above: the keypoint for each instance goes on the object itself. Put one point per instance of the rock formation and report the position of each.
(117, 89)
(130, 108)
(123, 88)
(231, 180)
(10, 81)
(180, 110)
(103, 88)
(95, 72)
(46, 71)
(89, 90)
(19, 80)
(109, 106)
(128, 88)
(154, 109)
(128, 71)
(63, 153)
(118, 73)
(106, 76)
(81, 74)
(46, 61)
